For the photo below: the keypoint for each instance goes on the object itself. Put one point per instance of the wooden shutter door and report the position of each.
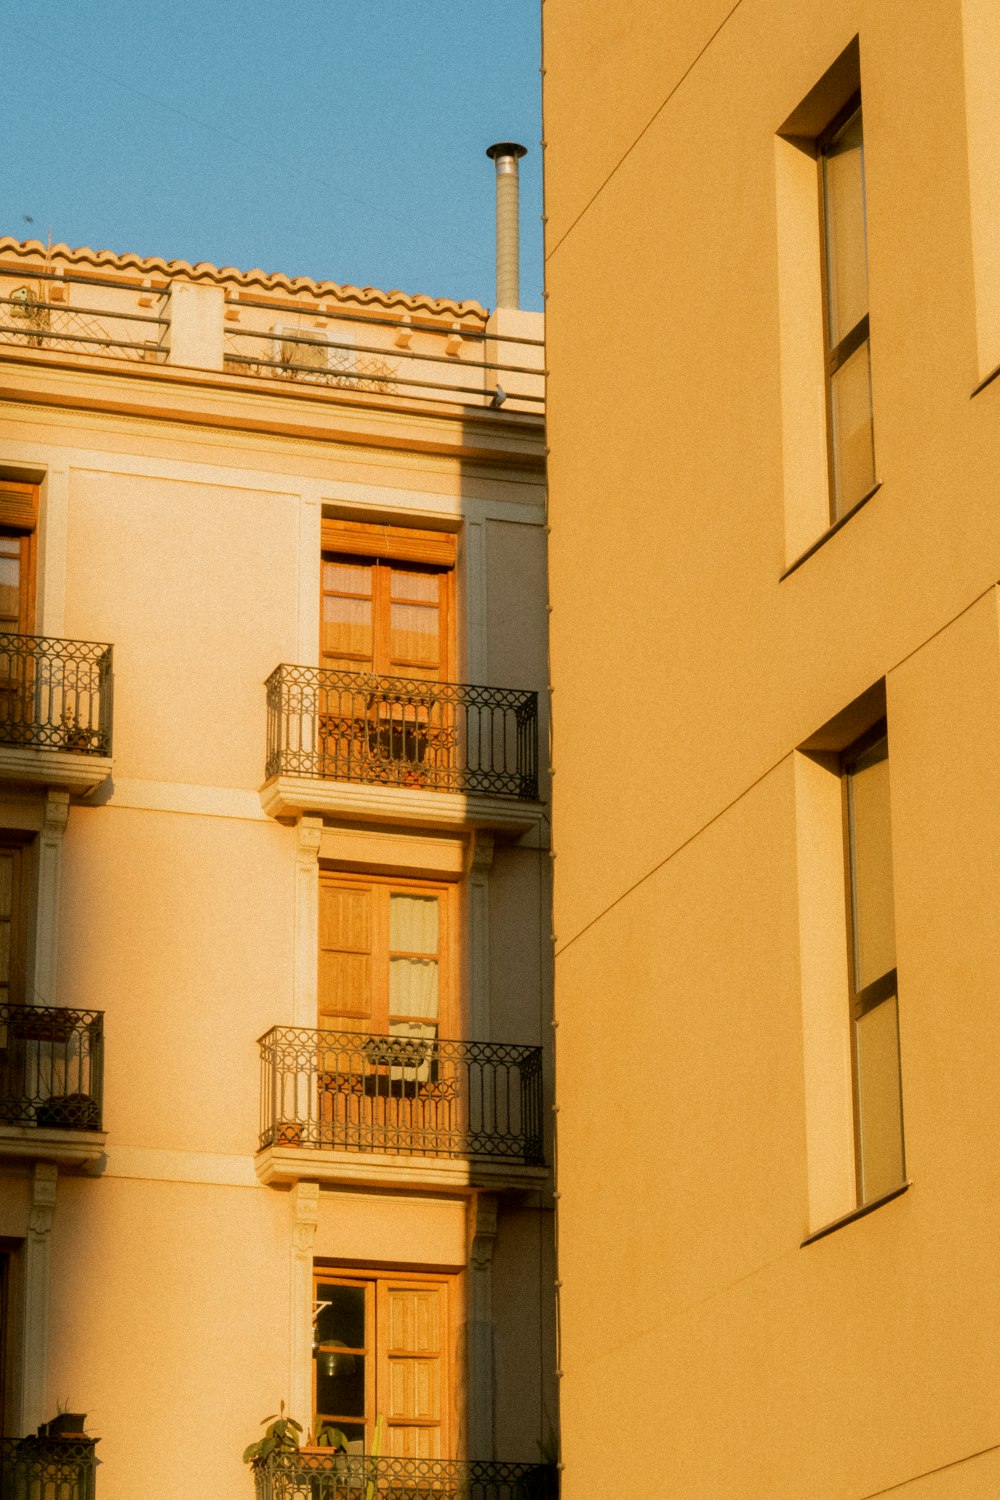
(412, 1378)
(346, 939)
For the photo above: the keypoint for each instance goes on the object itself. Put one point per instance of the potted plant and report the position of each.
(75, 736)
(330, 1480)
(68, 1112)
(65, 1424)
(42, 1023)
(280, 1437)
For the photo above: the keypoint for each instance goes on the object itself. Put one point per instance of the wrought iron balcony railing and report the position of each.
(399, 731)
(51, 1067)
(44, 1468)
(401, 1095)
(349, 1476)
(54, 694)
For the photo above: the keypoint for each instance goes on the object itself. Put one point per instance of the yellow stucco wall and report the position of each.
(705, 1348)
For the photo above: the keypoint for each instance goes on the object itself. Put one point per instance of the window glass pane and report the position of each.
(846, 252)
(880, 1110)
(423, 588)
(851, 438)
(870, 835)
(346, 578)
(413, 923)
(415, 632)
(347, 627)
(413, 988)
(343, 1320)
(340, 1383)
(10, 584)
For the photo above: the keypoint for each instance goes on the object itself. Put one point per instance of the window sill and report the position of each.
(830, 531)
(855, 1213)
(986, 380)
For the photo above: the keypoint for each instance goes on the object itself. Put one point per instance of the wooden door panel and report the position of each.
(415, 1390)
(412, 1367)
(414, 1320)
(346, 920)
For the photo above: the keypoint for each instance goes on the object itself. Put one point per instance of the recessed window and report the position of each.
(847, 938)
(383, 950)
(981, 56)
(841, 156)
(828, 442)
(874, 1009)
(18, 514)
(386, 600)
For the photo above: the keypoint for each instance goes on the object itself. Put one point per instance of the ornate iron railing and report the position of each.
(55, 694)
(43, 1468)
(51, 1067)
(321, 1475)
(400, 731)
(400, 1094)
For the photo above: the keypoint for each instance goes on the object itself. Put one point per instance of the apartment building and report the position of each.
(773, 326)
(275, 1074)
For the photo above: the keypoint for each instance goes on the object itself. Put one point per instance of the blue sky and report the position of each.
(333, 138)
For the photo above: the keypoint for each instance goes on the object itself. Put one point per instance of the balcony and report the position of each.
(324, 1475)
(55, 712)
(51, 1083)
(48, 1468)
(406, 1109)
(400, 750)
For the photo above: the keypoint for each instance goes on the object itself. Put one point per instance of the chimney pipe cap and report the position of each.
(506, 148)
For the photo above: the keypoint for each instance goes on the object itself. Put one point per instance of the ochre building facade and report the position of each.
(773, 324)
(275, 1082)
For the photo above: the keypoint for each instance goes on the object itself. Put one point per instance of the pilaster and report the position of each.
(53, 529)
(476, 662)
(480, 860)
(34, 1352)
(44, 977)
(482, 1236)
(304, 1206)
(309, 830)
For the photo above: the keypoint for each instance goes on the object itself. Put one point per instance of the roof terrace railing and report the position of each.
(361, 353)
(36, 315)
(314, 345)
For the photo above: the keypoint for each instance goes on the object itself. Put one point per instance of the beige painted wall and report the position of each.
(195, 550)
(697, 931)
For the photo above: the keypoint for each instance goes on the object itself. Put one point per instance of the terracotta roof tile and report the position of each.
(31, 251)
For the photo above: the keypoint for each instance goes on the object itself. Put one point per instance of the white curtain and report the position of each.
(413, 981)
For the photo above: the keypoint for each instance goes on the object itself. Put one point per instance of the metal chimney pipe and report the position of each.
(505, 155)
